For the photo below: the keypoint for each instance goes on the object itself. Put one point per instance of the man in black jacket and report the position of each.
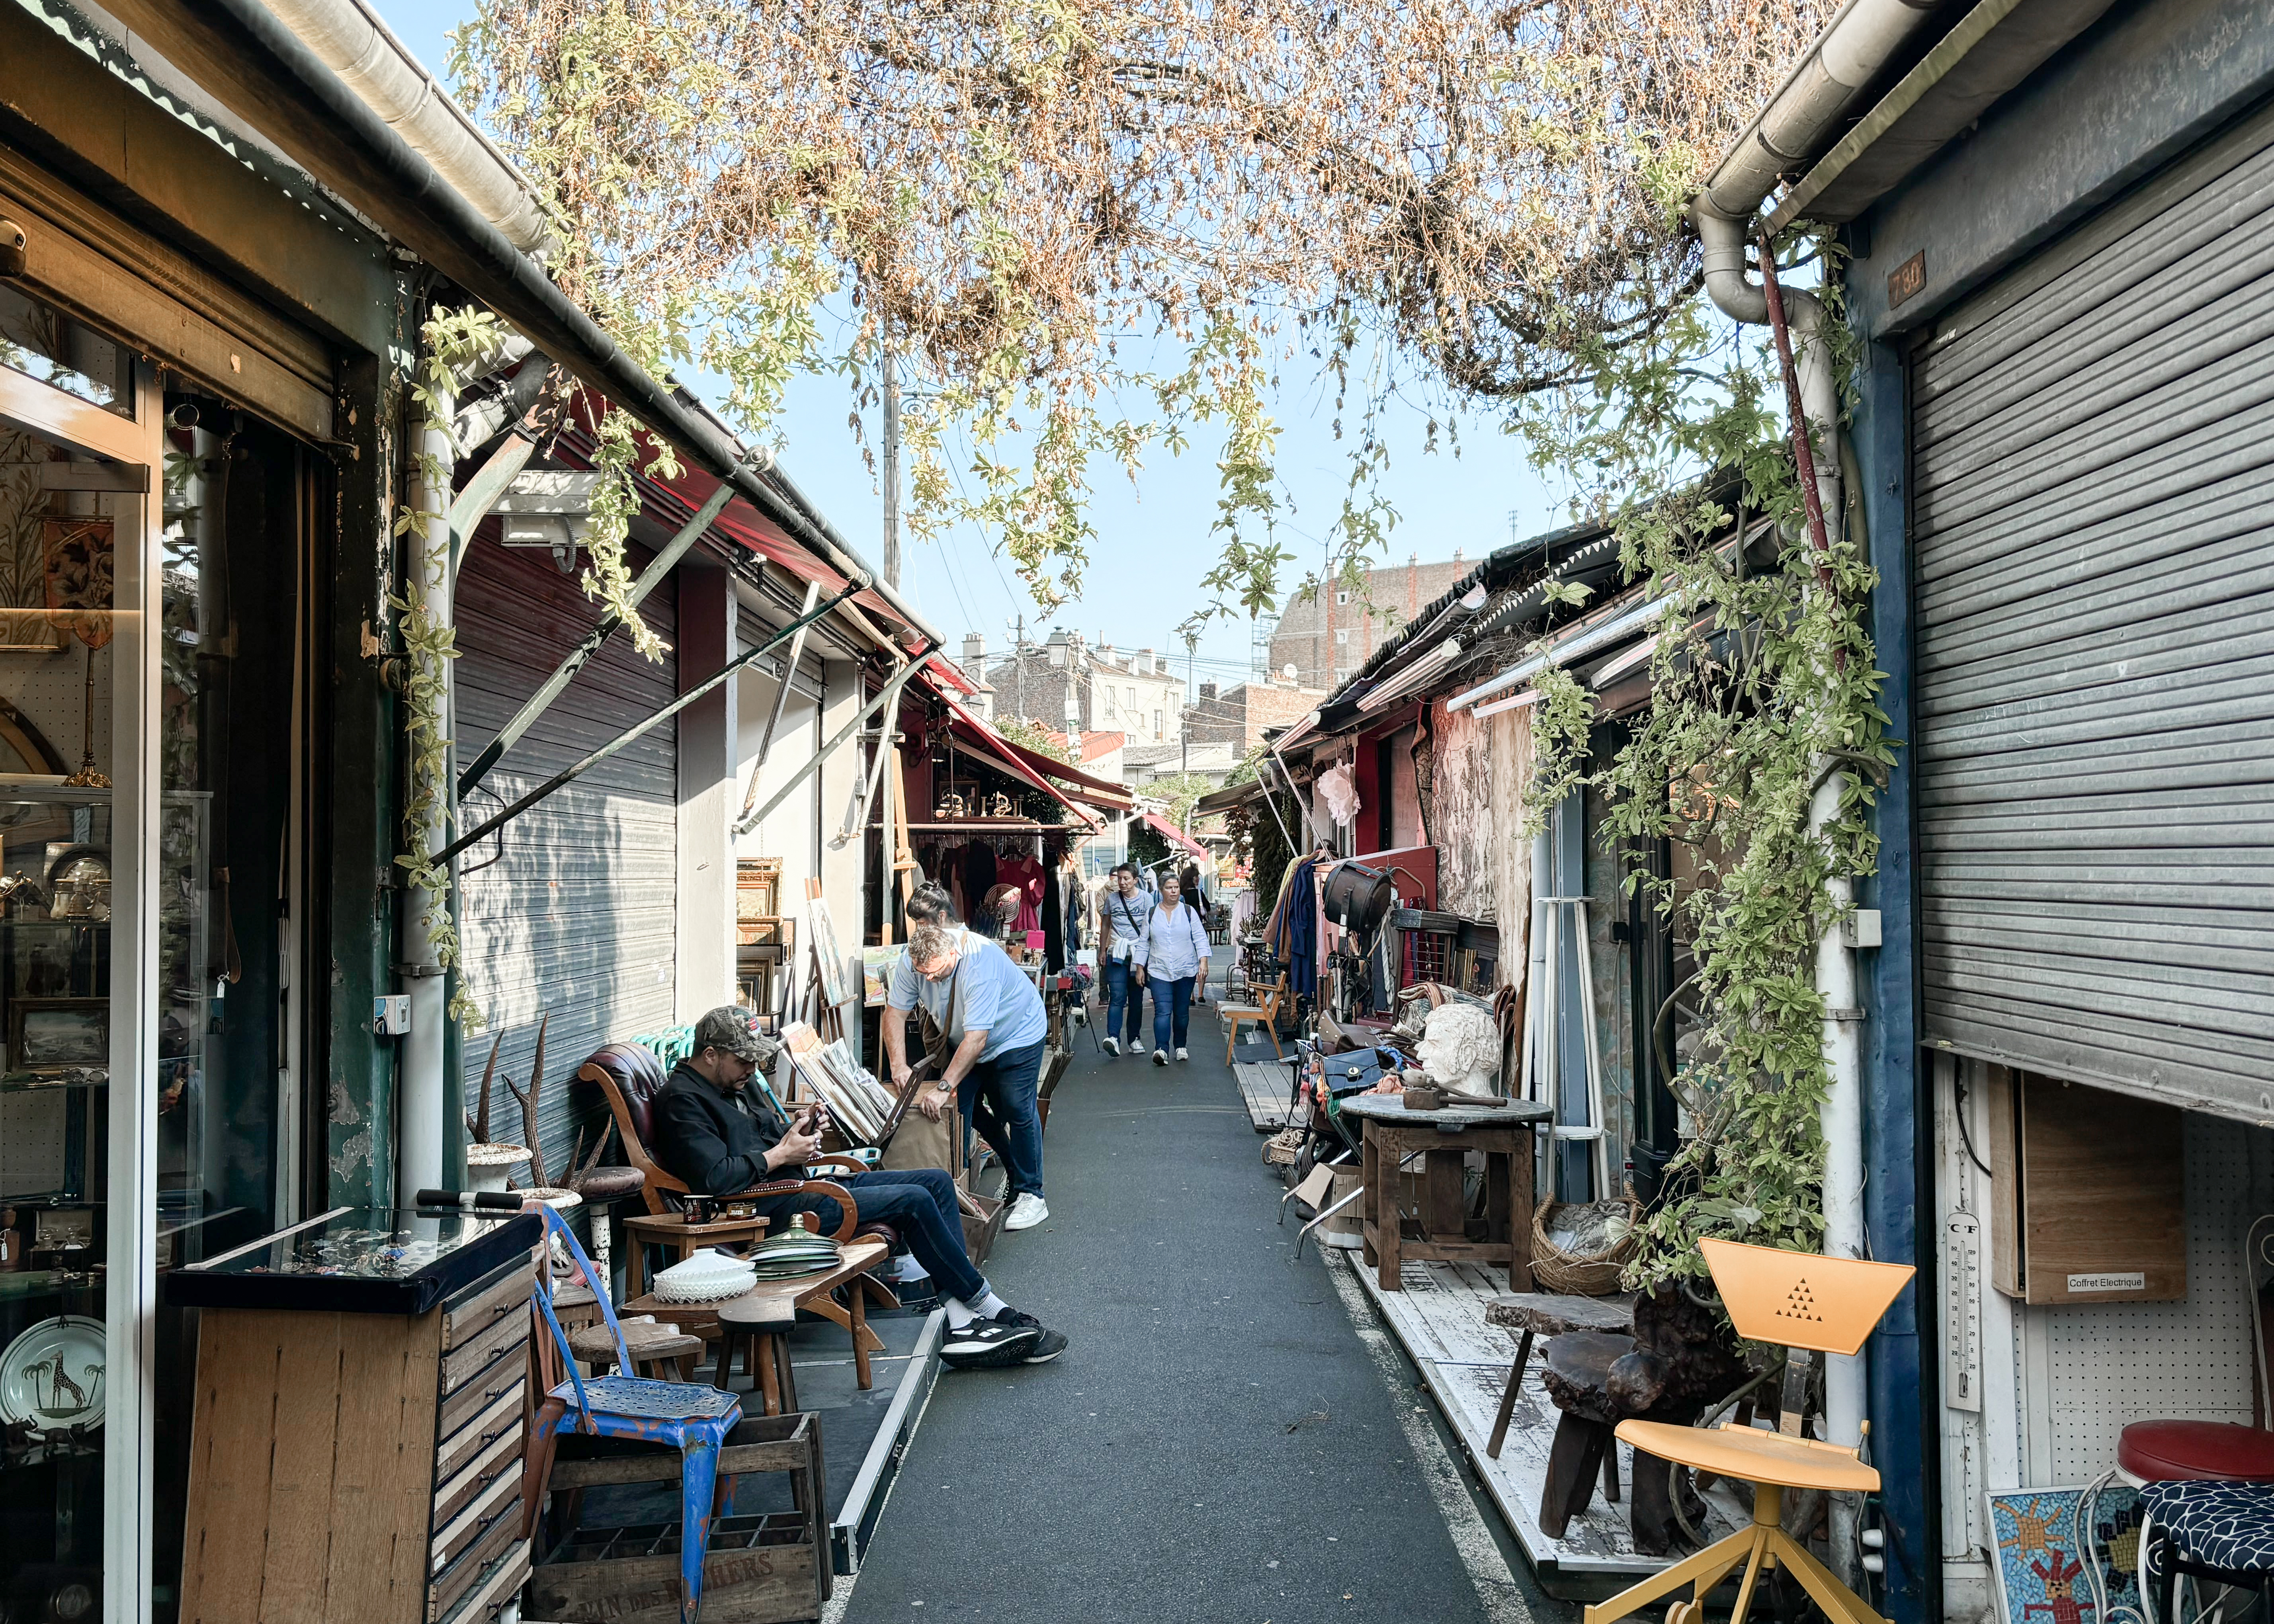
(711, 1132)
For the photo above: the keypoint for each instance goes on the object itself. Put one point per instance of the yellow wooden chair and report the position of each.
(1799, 1300)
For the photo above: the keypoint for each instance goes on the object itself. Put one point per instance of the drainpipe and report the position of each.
(419, 1150)
(1725, 241)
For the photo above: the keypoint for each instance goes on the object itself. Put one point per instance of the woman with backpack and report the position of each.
(1172, 957)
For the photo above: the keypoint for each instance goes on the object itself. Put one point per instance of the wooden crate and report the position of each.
(761, 1569)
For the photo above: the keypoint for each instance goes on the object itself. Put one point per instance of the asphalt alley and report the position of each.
(1219, 1443)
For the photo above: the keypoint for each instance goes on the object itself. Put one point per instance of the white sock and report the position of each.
(958, 1314)
(987, 1307)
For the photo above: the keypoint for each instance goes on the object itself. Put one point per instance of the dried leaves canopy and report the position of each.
(1042, 202)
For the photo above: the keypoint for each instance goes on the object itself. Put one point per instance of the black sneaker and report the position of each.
(1049, 1344)
(985, 1344)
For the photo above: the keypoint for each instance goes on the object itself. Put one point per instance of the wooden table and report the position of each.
(805, 1291)
(672, 1229)
(1443, 1139)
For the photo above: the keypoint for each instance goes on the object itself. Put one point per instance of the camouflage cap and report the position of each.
(727, 1029)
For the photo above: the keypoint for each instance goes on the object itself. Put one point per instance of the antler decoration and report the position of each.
(529, 1107)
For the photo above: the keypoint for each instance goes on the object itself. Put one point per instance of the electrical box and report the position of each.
(390, 1015)
(2087, 1191)
(1861, 928)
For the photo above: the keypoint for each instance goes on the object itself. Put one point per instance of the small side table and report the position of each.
(1540, 1313)
(1443, 1139)
(685, 1239)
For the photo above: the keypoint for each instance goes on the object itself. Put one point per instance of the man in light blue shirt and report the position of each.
(991, 1012)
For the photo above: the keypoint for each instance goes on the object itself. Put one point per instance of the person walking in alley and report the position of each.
(711, 1133)
(1121, 919)
(992, 1015)
(1172, 957)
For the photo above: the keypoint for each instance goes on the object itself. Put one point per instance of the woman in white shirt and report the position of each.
(1172, 955)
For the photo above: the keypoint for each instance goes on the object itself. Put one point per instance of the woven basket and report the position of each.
(1555, 1269)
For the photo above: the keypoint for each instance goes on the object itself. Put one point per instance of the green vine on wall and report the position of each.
(452, 341)
(1763, 686)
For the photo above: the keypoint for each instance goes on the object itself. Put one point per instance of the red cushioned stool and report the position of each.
(2195, 1451)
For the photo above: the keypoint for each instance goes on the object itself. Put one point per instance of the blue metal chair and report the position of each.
(693, 1418)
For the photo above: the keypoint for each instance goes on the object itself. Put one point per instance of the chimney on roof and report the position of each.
(974, 650)
(1145, 661)
(1457, 555)
(1207, 690)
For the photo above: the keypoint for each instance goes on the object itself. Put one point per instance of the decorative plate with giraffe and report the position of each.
(52, 1375)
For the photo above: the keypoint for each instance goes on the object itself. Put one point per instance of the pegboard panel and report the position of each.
(32, 1142)
(51, 689)
(2139, 1361)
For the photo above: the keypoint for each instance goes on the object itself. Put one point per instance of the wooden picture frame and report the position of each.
(48, 1036)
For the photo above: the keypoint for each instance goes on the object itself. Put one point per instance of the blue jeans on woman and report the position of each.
(1173, 1009)
(1125, 1003)
(1011, 1124)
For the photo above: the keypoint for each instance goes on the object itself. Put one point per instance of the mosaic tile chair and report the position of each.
(693, 1418)
(1798, 1300)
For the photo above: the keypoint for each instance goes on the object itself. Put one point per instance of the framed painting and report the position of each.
(54, 1035)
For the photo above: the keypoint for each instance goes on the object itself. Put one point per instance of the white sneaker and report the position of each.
(1112, 1046)
(1183, 1054)
(1160, 1057)
(1027, 1211)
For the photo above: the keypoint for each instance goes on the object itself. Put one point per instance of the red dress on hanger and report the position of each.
(1026, 873)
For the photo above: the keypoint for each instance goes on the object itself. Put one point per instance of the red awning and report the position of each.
(1173, 835)
(980, 740)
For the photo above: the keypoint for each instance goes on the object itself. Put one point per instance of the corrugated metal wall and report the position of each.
(2094, 473)
(577, 918)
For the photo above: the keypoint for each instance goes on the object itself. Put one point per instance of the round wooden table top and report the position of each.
(1390, 1108)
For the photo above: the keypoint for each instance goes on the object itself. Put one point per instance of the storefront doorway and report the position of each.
(152, 715)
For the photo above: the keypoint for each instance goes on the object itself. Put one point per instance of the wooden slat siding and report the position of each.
(579, 918)
(230, 1467)
(301, 1472)
(383, 1481)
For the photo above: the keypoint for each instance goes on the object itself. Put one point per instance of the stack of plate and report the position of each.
(796, 1251)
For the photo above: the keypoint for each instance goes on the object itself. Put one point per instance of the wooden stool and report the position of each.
(659, 1350)
(1577, 1374)
(1543, 1313)
(761, 1326)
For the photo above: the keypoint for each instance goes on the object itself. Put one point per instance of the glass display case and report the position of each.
(359, 1260)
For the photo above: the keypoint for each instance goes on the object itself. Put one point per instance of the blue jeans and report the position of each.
(1009, 1124)
(1172, 1007)
(918, 1202)
(1124, 1001)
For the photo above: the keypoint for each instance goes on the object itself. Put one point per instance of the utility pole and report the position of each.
(1185, 726)
(889, 365)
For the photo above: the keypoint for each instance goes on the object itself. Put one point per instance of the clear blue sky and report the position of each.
(1154, 543)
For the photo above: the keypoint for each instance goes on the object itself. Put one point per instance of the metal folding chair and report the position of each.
(690, 1417)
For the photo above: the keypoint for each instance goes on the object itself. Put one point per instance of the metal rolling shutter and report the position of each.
(2093, 525)
(578, 916)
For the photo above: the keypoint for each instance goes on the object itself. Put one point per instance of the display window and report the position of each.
(150, 600)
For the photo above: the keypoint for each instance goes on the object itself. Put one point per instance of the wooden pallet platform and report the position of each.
(1439, 1319)
(1264, 1086)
